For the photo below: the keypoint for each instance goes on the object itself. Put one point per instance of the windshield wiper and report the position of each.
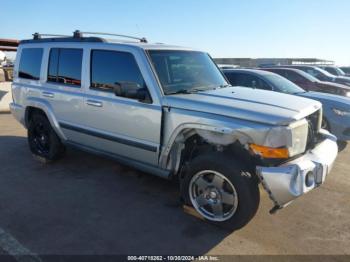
(181, 91)
(187, 91)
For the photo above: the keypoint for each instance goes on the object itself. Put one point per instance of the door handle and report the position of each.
(94, 103)
(48, 94)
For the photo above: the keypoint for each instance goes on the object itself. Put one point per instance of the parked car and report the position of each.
(310, 83)
(336, 109)
(169, 111)
(334, 70)
(321, 74)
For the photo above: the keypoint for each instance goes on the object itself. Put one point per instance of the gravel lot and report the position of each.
(85, 204)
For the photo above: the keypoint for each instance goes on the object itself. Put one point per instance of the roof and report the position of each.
(8, 44)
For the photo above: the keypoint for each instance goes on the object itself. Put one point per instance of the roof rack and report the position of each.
(37, 36)
(79, 34)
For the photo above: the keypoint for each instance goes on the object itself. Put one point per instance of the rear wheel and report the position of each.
(43, 141)
(220, 191)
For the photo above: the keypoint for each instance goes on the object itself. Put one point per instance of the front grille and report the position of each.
(313, 133)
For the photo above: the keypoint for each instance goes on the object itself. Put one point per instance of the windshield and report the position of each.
(283, 85)
(186, 71)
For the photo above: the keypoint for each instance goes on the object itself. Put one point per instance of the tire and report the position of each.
(244, 196)
(43, 141)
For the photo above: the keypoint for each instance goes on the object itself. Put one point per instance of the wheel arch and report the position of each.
(37, 105)
(215, 138)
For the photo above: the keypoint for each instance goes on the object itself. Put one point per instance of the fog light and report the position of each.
(310, 179)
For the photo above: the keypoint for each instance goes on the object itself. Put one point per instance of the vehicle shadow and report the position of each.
(85, 204)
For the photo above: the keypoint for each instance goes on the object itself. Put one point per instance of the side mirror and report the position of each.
(117, 89)
(144, 96)
(132, 90)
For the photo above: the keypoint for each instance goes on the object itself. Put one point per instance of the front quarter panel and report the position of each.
(215, 129)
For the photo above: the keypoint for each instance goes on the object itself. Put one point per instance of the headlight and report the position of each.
(347, 94)
(340, 112)
(284, 142)
(299, 134)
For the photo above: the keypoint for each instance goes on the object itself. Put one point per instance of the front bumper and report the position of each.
(289, 181)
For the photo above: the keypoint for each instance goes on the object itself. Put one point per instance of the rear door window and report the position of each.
(30, 63)
(65, 66)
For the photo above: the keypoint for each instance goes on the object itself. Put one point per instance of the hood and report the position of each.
(327, 98)
(248, 104)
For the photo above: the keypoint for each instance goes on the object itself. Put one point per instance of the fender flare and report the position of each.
(47, 109)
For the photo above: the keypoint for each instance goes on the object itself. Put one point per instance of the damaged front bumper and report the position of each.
(299, 176)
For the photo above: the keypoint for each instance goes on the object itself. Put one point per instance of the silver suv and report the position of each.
(169, 111)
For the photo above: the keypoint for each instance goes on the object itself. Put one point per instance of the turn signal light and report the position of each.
(269, 152)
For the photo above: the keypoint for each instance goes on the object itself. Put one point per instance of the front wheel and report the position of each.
(220, 191)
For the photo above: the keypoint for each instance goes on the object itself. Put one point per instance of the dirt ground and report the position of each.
(85, 204)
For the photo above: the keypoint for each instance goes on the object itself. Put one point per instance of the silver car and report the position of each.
(169, 111)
